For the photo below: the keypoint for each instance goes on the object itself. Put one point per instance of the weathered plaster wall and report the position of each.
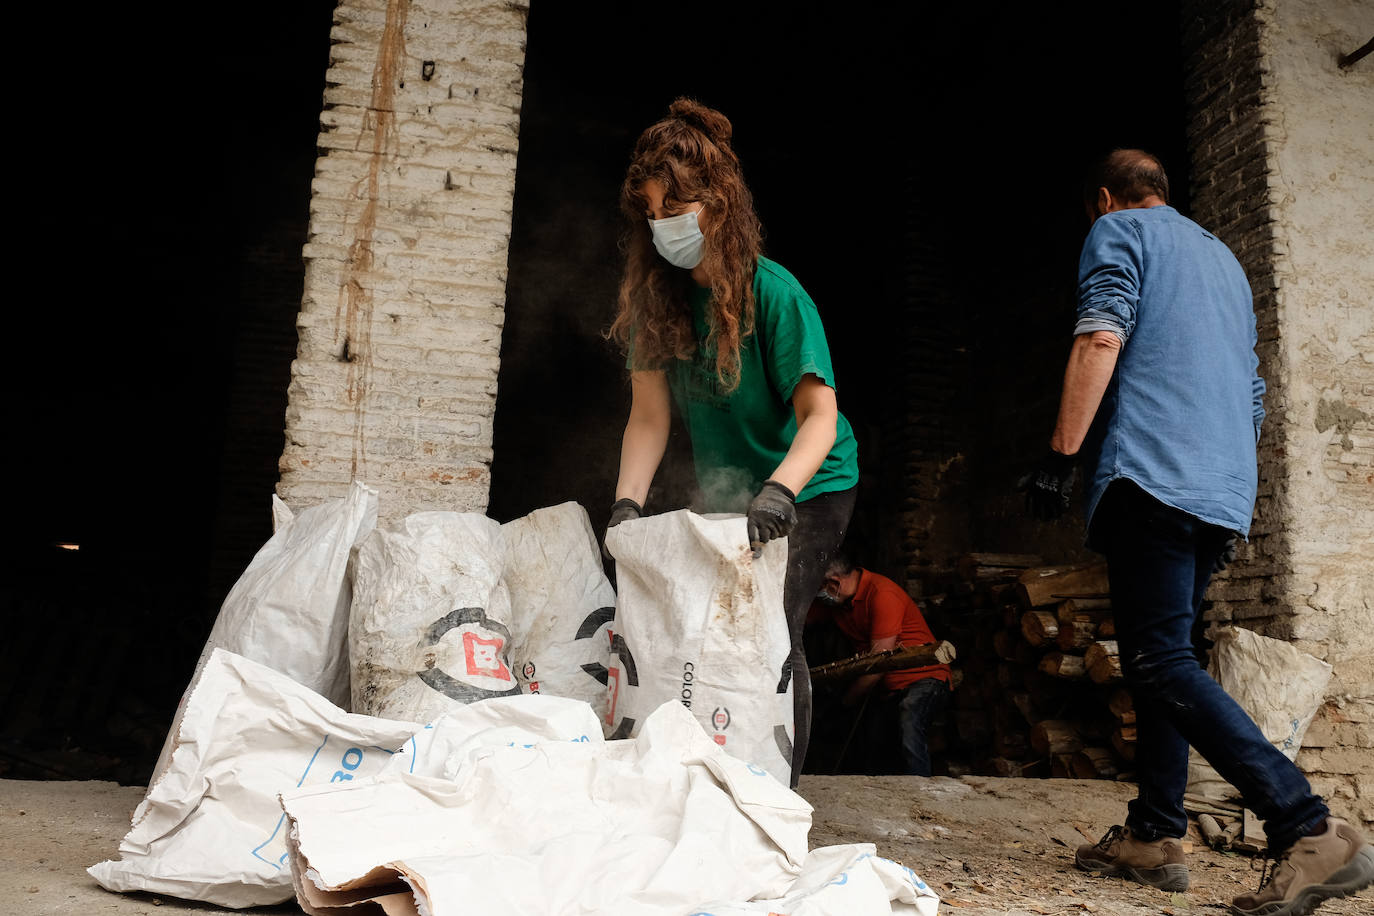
(394, 381)
(1283, 150)
(1322, 187)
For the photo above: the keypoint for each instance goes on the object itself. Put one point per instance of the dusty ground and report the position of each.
(988, 846)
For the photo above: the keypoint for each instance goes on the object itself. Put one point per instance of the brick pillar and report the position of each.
(924, 432)
(1283, 150)
(1230, 133)
(394, 381)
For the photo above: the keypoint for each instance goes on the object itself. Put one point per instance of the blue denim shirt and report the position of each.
(1182, 413)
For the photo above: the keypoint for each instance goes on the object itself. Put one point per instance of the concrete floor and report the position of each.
(988, 846)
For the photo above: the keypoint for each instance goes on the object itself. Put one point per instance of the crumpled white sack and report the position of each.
(700, 619)
(559, 827)
(211, 828)
(289, 609)
(562, 604)
(1277, 685)
(429, 629)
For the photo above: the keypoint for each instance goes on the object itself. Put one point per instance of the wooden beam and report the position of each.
(941, 653)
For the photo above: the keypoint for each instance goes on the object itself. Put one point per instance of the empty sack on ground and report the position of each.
(211, 828)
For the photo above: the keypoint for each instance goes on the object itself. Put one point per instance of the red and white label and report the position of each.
(483, 656)
(613, 691)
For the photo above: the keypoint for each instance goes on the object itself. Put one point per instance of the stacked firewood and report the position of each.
(1041, 693)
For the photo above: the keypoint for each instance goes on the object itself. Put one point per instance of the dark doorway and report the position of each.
(163, 206)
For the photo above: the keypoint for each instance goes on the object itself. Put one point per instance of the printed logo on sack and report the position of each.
(527, 672)
(720, 719)
(326, 761)
(593, 622)
(689, 674)
(612, 694)
(484, 671)
(625, 669)
(483, 656)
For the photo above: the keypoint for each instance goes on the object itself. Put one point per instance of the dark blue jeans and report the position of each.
(897, 726)
(1159, 561)
(920, 703)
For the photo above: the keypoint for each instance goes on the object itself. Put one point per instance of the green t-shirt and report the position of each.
(738, 439)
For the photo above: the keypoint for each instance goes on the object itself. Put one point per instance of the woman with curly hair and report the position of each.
(733, 340)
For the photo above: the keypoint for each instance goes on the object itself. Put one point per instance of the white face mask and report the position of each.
(678, 239)
(828, 599)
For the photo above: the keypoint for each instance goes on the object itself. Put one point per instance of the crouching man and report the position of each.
(877, 614)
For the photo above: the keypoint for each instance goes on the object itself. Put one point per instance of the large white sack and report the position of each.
(1278, 686)
(562, 605)
(430, 624)
(289, 609)
(212, 829)
(648, 825)
(700, 620)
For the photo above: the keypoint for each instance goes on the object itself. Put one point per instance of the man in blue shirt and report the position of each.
(1162, 397)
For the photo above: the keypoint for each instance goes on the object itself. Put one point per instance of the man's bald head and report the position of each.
(1131, 176)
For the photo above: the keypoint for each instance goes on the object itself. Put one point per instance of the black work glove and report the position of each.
(772, 513)
(622, 510)
(1227, 555)
(1047, 488)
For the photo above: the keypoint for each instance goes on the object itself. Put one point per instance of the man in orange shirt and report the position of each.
(877, 614)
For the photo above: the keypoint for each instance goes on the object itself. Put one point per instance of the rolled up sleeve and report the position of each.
(1109, 273)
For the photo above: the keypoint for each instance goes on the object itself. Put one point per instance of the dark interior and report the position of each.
(917, 168)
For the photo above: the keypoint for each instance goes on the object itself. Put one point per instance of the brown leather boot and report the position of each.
(1158, 863)
(1334, 863)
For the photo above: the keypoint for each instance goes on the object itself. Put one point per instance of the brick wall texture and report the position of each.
(1282, 143)
(394, 381)
(923, 440)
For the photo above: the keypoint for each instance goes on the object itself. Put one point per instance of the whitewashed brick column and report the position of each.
(1283, 153)
(394, 381)
(1322, 186)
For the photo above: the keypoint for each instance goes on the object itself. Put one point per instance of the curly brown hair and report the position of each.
(689, 153)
